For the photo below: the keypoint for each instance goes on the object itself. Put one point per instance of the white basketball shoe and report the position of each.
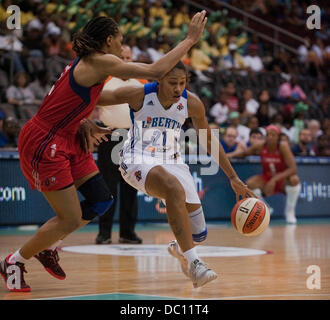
(198, 272)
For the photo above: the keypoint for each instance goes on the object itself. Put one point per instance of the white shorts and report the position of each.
(136, 175)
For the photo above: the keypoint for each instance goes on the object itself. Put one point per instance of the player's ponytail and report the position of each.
(94, 35)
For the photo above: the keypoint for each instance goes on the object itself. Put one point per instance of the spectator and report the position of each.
(219, 111)
(263, 115)
(288, 129)
(299, 121)
(158, 12)
(315, 129)
(295, 17)
(251, 105)
(252, 61)
(255, 136)
(313, 65)
(265, 110)
(3, 138)
(32, 40)
(319, 100)
(318, 94)
(182, 17)
(254, 39)
(201, 62)
(53, 42)
(242, 131)
(253, 123)
(325, 126)
(20, 95)
(154, 49)
(303, 50)
(10, 50)
(318, 48)
(9, 135)
(233, 61)
(211, 48)
(279, 64)
(302, 148)
(41, 86)
(322, 148)
(259, 7)
(140, 51)
(291, 92)
(231, 99)
(229, 142)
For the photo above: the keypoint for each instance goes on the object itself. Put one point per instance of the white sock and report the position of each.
(258, 193)
(55, 245)
(292, 194)
(16, 257)
(198, 225)
(191, 255)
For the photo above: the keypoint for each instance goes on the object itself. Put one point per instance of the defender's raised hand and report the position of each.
(196, 26)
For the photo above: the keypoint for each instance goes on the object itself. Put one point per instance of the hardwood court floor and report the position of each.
(282, 273)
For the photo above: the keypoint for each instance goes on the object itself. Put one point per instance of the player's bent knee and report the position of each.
(70, 225)
(174, 187)
(294, 180)
(98, 198)
(176, 193)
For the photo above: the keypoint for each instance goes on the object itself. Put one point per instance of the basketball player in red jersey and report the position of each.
(51, 156)
(279, 171)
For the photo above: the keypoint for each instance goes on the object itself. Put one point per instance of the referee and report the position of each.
(117, 117)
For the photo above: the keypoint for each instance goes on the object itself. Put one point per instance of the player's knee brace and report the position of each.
(98, 198)
(198, 225)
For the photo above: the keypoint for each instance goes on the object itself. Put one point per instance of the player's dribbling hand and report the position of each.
(196, 26)
(241, 189)
(90, 133)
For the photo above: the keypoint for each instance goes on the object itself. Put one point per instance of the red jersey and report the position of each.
(272, 162)
(51, 157)
(67, 103)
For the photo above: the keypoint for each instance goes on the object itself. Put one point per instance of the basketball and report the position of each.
(250, 216)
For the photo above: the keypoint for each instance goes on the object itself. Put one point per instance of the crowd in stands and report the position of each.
(245, 82)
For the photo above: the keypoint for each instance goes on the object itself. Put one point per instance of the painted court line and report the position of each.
(181, 298)
(113, 294)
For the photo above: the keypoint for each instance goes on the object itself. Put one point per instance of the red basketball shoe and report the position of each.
(11, 272)
(49, 259)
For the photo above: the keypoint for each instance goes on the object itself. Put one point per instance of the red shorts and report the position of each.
(52, 161)
(279, 186)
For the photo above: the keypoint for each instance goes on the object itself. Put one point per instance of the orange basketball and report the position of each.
(250, 216)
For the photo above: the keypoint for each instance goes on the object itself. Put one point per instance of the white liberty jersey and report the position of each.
(155, 131)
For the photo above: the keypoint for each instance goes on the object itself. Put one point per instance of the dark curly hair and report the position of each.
(94, 35)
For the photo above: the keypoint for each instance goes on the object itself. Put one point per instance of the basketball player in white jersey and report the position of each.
(150, 160)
